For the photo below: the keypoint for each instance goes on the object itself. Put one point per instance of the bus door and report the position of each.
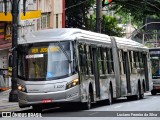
(127, 71)
(96, 71)
(146, 70)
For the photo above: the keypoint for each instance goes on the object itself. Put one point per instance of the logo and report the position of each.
(6, 114)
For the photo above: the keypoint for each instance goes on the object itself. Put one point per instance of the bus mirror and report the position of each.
(83, 59)
(11, 61)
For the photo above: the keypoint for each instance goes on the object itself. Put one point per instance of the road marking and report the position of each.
(118, 106)
(93, 113)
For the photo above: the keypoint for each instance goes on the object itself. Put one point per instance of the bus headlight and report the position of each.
(21, 88)
(72, 83)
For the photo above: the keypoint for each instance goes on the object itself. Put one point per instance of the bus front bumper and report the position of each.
(29, 99)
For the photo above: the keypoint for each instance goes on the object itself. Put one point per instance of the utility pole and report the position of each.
(15, 13)
(98, 14)
(16, 34)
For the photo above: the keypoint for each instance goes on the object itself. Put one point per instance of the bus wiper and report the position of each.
(59, 44)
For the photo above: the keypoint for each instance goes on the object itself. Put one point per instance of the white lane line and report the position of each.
(93, 113)
(118, 106)
(137, 102)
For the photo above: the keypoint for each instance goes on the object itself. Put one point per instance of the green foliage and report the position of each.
(111, 27)
(137, 9)
(76, 12)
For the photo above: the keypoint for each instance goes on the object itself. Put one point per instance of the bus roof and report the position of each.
(156, 49)
(61, 34)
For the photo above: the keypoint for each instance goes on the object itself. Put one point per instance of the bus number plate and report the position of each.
(47, 101)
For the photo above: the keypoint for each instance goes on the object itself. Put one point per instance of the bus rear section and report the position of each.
(155, 63)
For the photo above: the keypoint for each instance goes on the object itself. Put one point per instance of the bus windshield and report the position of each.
(44, 61)
(155, 61)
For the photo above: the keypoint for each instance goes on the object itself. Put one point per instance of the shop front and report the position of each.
(5, 46)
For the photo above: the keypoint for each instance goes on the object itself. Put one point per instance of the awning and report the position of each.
(5, 46)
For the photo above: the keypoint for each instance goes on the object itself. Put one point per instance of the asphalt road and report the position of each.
(122, 109)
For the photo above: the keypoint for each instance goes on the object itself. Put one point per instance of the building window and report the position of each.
(44, 22)
(56, 20)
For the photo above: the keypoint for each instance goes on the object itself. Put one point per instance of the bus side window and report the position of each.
(90, 60)
(86, 49)
(81, 52)
(105, 61)
(109, 60)
(141, 60)
(131, 60)
(112, 62)
(137, 59)
(134, 56)
(124, 64)
(121, 61)
(99, 61)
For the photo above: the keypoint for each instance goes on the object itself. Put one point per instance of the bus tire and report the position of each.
(137, 97)
(153, 92)
(87, 105)
(37, 108)
(129, 98)
(110, 95)
(142, 93)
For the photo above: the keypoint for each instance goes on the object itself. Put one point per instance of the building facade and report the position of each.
(53, 12)
(40, 14)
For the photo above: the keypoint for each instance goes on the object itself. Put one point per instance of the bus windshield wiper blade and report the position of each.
(59, 44)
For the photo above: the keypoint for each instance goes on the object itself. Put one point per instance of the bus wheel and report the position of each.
(142, 94)
(129, 98)
(137, 97)
(153, 92)
(110, 96)
(37, 108)
(87, 105)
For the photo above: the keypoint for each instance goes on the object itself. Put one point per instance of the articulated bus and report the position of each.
(70, 65)
(155, 63)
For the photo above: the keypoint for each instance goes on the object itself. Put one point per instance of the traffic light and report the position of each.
(106, 2)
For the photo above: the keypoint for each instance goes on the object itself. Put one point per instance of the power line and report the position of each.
(137, 30)
(76, 5)
(152, 5)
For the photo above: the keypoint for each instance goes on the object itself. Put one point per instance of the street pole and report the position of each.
(90, 22)
(98, 14)
(15, 13)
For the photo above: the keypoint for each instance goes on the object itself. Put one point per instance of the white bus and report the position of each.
(70, 65)
(155, 62)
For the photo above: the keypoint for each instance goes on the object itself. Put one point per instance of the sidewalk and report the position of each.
(5, 105)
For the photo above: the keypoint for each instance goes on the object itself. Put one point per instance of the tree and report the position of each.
(76, 12)
(111, 27)
(137, 9)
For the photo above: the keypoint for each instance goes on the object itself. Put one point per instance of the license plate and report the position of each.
(47, 101)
